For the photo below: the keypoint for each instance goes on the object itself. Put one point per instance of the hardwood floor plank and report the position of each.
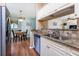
(21, 48)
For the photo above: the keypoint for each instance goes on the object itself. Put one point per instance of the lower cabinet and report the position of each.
(52, 52)
(51, 48)
(43, 47)
(56, 51)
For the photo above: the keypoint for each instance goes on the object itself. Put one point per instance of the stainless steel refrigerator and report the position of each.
(2, 31)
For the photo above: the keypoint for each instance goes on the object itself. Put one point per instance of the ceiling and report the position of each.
(28, 9)
(40, 5)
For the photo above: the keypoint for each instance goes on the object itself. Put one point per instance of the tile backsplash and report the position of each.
(63, 33)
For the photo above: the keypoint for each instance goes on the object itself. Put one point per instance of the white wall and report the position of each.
(24, 26)
(28, 9)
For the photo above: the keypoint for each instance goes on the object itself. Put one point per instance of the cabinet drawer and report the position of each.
(64, 50)
(57, 51)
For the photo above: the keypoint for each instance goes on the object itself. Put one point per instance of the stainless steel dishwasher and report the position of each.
(37, 43)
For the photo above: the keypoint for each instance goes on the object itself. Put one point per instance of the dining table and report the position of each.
(19, 34)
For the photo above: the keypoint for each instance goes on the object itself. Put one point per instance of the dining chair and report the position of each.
(14, 36)
(25, 35)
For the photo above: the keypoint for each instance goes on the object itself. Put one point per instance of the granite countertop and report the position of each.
(73, 43)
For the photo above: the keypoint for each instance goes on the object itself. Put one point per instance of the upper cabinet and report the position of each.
(77, 9)
(51, 8)
(77, 13)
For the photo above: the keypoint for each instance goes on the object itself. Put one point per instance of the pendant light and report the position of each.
(21, 18)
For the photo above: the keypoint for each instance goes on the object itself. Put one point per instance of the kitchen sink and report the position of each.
(51, 36)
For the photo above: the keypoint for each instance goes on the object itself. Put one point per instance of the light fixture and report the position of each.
(21, 18)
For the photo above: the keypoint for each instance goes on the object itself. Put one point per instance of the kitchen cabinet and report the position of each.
(48, 50)
(51, 48)
(77, 9)
(77, 13)
(55, 49)
(51, 9)
(43, 48)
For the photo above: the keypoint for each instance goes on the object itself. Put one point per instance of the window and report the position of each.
(14, 26)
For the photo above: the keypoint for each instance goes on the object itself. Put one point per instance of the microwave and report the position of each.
(73, 27)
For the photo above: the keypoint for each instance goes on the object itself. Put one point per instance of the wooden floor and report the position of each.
(20, 48)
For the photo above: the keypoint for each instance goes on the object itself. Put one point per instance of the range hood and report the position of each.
(63, 12)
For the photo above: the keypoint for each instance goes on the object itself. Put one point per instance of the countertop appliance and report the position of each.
(37, 43)
(73, 27)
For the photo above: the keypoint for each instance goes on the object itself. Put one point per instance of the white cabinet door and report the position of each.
(56, 49)
(43, 49)
(49, 9)
(77, 9)
(52, 52)
(51, 48)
